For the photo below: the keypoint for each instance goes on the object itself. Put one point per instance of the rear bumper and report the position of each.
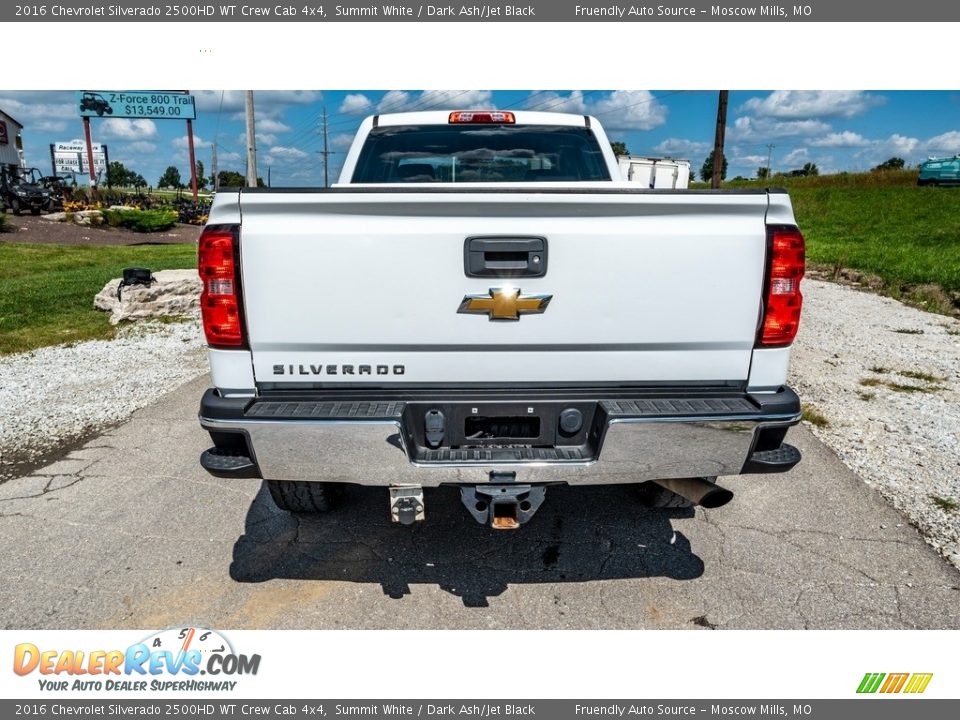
(626, 438)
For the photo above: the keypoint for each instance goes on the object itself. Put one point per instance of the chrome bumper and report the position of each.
(378, 452)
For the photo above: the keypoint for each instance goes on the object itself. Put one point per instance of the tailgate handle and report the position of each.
(505, 256)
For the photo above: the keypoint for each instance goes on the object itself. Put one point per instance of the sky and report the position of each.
(836, 130)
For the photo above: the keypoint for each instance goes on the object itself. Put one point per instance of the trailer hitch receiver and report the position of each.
(406, 504)
(502, 507)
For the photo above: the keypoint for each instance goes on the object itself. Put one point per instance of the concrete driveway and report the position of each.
(129, 532)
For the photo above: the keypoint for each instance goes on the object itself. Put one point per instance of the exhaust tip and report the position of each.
(698, 491)
(718, 497)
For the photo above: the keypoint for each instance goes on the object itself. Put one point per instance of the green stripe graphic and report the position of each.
(871, 682)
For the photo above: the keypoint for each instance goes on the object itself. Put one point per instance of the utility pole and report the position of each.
(213, 165)
(718, 139)
(251, 142)
(90, 170)
(770, 147)
(193, 157)
(326, 152)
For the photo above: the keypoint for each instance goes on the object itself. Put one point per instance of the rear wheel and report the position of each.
(297, 496)
(15, 206)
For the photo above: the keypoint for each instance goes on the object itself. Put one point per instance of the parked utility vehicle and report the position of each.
(483, 302)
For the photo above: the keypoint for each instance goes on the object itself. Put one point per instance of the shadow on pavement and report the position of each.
(578, 535)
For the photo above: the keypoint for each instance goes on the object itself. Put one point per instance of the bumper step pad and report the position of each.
(228, 464)
(773, 461)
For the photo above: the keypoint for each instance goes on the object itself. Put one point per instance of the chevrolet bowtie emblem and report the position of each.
(504, 304)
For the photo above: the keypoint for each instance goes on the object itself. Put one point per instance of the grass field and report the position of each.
(884, 225)
(46, 291)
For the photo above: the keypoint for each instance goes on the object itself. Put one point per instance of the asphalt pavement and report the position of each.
(129, 532)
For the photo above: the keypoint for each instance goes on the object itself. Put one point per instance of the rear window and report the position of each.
(480, 153)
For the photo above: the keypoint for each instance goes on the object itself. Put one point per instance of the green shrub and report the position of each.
(6, 225)
(145, 221)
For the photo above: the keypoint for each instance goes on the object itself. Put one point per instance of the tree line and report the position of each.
(120, 176)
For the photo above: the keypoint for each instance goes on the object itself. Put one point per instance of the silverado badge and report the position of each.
(505, 303)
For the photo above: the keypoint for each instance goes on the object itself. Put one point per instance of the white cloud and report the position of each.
(341, 141)
(900, 144)
(269, 103)
(947, 143)
(271, 125)
(125, 129)
(43, 107)
(402, 101)
(554, 102)
(182, 143)
(355, 104)
(141, 147)
(894, 146)
(455, 99)
(48, 126)
(748, 161)
(751, 129)
(280, 154)
(262, 139)
(798, 104)
(680, 147)
(394, 101)
(845, 139)
(210, 100)
(797, 156)
(629, 110)
(619, 110)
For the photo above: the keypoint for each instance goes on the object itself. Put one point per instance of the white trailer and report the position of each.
(655, 172)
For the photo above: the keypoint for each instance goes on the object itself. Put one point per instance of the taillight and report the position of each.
(782, 301)
(487, 117)
(220, 306)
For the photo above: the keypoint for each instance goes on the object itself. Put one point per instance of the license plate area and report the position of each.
(487, 424)
(501, 427)
(500, 424)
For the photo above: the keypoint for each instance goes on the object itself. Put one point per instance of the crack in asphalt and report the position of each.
(780, 535)
(46, 488)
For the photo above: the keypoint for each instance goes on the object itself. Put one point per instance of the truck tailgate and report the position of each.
(364, 286)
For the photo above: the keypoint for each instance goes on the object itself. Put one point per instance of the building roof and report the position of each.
(11, 117)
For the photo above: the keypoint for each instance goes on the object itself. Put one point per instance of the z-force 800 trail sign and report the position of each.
(156, 105)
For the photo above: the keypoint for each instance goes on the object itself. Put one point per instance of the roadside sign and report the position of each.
(154, 105)
(72, 157)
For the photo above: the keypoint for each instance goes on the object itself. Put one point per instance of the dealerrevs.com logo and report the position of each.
(910, 683)
(172, 659)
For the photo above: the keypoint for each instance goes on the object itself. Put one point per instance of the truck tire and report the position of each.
(296, 496)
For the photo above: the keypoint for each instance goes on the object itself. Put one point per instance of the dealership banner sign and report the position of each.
(71, 157)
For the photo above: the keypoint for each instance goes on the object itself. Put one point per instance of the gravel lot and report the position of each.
(900, 432)
(32, 229)
(54, 397)
(886, 377)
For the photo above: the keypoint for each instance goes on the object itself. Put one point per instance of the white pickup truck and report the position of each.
(481, 302)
